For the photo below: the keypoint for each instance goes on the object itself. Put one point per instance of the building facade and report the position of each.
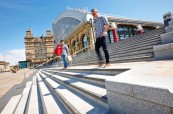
(76, 27)
(39, 49)
(4, 66)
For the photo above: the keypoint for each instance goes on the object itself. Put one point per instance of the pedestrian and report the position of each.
(65, 53)
(101, 27)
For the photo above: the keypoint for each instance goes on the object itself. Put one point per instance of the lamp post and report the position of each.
(92, 31)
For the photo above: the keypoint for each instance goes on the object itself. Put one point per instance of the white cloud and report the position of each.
(13, 56)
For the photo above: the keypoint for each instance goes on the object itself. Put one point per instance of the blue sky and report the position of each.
(17, 15)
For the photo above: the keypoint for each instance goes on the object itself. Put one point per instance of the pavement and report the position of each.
(12, 84)
(128, 65)
(158, 74)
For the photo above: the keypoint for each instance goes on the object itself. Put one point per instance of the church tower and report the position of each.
(29, 45)
(49, 43)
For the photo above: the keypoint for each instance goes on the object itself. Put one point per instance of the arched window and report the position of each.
(85, 42)
(73, 47)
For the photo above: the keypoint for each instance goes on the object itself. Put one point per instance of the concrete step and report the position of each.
(142, 45)
(171, 22)
(134, 50)
(116, 60)
(33, 104)
(21, 107)
(125, 49)
(126, 54)
(142, 37)
(74, 102)
(85, 71)
(169, 28)
(11, 105)
(134, 58)
(86, 77)
(93, 92)
(129, 44)
(167, 38)
(129, 40)
(50, 106)
(135, 44)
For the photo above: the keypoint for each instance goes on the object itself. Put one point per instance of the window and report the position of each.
(126, 31)
(85, 43)
(64, 27)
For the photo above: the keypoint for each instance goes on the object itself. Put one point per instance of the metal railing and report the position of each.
(81, 51)
(41, 65)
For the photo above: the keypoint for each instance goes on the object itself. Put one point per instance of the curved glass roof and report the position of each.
(64, 27)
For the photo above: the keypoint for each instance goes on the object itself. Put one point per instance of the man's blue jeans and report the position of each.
(101, 42)
(64, 59)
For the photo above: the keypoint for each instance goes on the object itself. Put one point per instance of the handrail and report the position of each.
(39, 66)
(83, 49)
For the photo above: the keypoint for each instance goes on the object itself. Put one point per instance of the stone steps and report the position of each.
(143, 39)
(116, 53)
(126, 55)
(21, 107)
(130, 41)
(73, 101)
(18, 104)
(169, 28)
(50, 93)
(126, 45)
(139, 38)
(132, 48)
(92, 92)
(10, 107)
(136, 51)
(135, 48)
(85, 77)
(139, 44)
(33, 103)
(136, 58)
(50, 106)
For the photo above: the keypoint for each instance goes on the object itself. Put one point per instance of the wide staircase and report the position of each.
(137, 48)
(54, 91)
(80, 91)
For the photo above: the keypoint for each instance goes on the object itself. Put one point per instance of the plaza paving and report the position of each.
(12, 84)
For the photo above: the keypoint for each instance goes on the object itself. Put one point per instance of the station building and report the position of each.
(76, 28)
(38, 49)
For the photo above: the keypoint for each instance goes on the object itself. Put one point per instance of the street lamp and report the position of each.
(92, 30)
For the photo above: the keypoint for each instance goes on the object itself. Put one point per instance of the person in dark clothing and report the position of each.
(101, 27)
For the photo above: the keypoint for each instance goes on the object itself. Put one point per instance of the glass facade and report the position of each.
(147, 28)
(110, 37)
(126, 31)
(64, 27)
